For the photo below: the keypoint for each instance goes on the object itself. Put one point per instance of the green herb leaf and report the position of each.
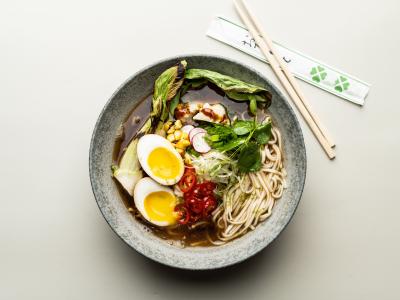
(223, 132)
(242, 127)
(231, 145)
(223, 138)
(216, 145)
(262, 134)
(249, 159)
(214, 138)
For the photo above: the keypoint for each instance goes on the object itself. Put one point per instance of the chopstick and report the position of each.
(285, 77)
(286, 71)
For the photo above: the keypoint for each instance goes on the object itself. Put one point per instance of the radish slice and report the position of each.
(187, 128)
(199, 144)
(195, 131)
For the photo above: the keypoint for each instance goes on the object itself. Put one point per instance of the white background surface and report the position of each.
(61, 61)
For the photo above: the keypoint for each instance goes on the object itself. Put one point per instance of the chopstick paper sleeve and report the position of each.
(302, 66)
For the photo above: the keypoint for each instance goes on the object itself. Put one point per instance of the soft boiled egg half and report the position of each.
(159, 159)
(155, 202)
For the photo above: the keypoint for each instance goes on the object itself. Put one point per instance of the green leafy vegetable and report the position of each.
(128, 172)
(249, 159)
(242, 127)
(223, 138)
(223, 132)
(233, 144)
(166, 88)
(262, 134)
(227, 83)
(234, 88)
(214, 138)
(228, 138)
(197, 83)
(242, 140)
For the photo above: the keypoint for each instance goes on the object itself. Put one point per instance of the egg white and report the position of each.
(146, 145)
(144, 187)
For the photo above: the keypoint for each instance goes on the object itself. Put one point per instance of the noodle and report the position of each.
(251, 199)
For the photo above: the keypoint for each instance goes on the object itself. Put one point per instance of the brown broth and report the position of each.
(181, 235)
(136, 119)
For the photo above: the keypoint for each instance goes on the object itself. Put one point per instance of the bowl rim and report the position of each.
(180, 57)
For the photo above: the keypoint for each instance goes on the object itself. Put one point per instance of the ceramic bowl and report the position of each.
(134, 233)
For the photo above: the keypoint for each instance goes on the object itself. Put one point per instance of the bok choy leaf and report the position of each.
(166, 88)
(234, 88)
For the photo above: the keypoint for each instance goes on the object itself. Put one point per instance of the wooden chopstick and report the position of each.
(269, 54)
(286, 71)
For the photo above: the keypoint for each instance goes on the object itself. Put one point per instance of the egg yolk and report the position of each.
(160, 206)
(163, 163)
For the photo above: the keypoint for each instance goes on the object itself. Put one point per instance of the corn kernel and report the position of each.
(185, 143)
(178, 124)
(180, 151)
(185, 136)
(178, 134)
(171, 137)
(171, 129)
(179, 145)
(166, 126)
(182, 144)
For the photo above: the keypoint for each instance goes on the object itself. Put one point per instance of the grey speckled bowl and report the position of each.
(134, 233)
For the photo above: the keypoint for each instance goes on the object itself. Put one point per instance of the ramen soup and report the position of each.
(199, 161)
